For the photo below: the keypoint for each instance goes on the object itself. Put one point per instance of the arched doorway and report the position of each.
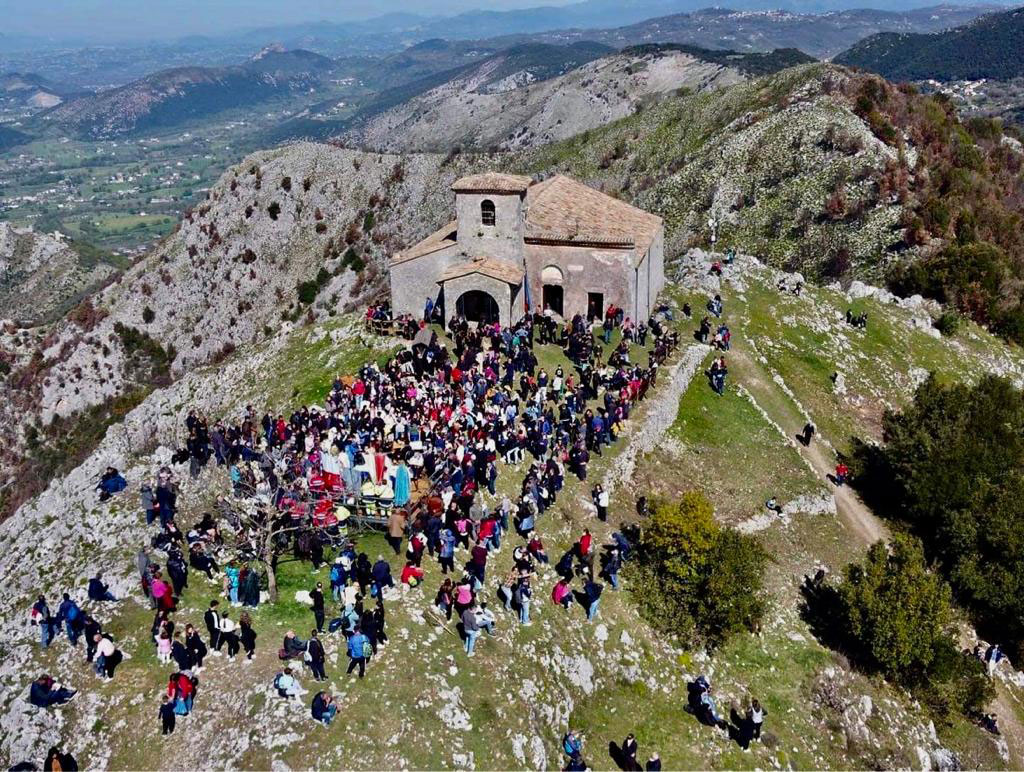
(477, 306)
(553, 296)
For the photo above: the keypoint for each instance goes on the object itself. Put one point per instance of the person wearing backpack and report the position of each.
(40, 615)
(338, 578)
(287, 685)
(572, 745)
(70, 614)
(316, 657)
(359, 648)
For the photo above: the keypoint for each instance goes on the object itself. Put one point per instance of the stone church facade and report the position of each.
(554, 244)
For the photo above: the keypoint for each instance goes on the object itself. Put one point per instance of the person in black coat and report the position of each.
(196, 647)
(167, 717)
(317, 595)
(91, 630)
(180, 653)
(212, 620)
(316, 657)
(247, 635)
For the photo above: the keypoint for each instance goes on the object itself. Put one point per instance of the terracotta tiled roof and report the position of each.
(560, 209)
(492, 182)
(445, 237)
(495, 267)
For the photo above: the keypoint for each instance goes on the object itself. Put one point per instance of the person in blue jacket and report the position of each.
(357, 649)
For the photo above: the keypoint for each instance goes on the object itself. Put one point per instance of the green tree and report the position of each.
(952, 468)
(896, 610)
(694, 579)
(897, 618)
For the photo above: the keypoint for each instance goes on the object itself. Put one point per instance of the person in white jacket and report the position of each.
(104, 652)
(228, 635)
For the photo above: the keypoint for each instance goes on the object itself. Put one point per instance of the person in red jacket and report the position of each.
(842, 472)
(562, 593)
(412, 574)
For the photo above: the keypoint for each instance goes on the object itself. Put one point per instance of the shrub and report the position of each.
(897, 618)
(368, 221)
(895, 610)
(148, 315)
(286, 184)
(952, 469)
(274, 210)
(694, 579)
(307, 291)
(948, 323)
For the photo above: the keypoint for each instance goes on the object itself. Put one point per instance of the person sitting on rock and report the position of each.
(99, 591)
(47, 693)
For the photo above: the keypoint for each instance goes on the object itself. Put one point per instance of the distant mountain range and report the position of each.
(34, 90)
(387, 31)
(513, 100)
(991, 47)
(821, 35)
(173, 97)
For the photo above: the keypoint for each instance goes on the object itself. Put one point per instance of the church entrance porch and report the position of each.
(477, 306)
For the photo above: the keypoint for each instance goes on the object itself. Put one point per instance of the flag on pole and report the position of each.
(527, 302)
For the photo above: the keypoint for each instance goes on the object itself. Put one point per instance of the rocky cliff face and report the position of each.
(40, 275)
(232, 273)
(475, 111)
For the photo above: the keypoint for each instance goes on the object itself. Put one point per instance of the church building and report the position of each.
(516, 245)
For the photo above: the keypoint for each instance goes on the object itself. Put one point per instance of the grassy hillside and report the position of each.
(833, 173)
(423, 703)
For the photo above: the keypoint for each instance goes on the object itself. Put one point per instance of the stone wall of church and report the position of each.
(504, 239)
(413, 281)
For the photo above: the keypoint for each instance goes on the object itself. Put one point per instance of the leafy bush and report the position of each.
(694, 579)
(307, 291)
(148, 315)
(274, 210)
(897, 618)
(149, 361)
(895, 609)
(368, 221)
(952, 468)
(948, 323)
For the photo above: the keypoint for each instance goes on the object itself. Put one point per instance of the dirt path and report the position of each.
(781, 409)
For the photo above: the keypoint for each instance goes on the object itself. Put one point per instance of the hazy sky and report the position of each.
(107, 19)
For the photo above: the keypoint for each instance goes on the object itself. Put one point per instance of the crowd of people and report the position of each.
(417, 442)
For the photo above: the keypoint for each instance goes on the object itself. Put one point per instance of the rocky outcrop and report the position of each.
(41, 275)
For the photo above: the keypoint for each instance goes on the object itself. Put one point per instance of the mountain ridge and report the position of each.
(988, 48)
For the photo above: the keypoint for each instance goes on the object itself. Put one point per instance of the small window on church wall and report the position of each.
(487, 212)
